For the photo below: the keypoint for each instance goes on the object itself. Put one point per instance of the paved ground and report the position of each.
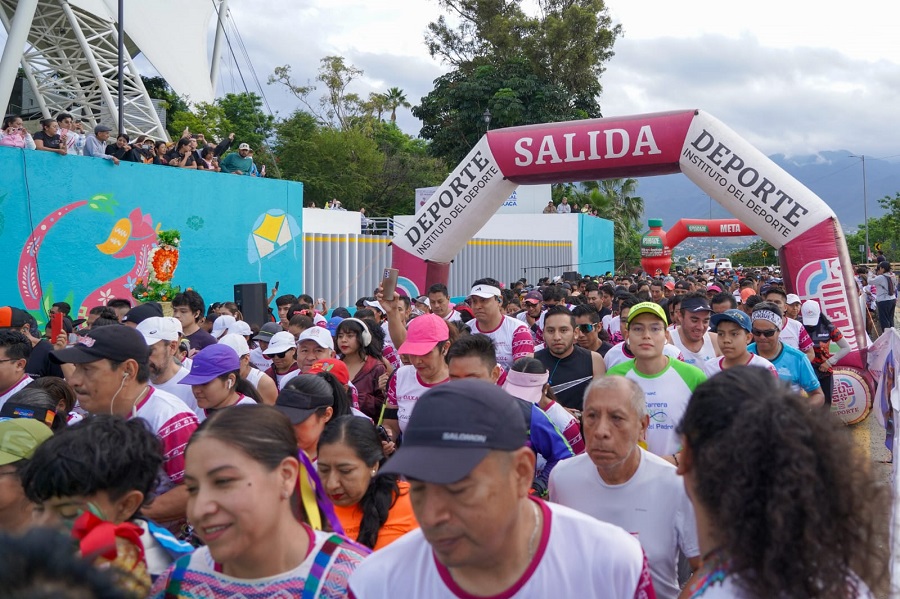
(869, 436)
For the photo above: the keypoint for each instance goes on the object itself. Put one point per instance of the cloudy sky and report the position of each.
(791, 77)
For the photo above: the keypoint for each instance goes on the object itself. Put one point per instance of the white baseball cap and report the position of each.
(222, 324)
(160, 328)
(240, 327)
(375, 304)
(236, 342)
(810, 312)
(792, 298)
(280, 342)
(318, 334)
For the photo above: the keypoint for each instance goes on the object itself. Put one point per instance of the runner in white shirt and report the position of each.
(440, 304)
(667, 383)
(512, 338)
(481, 535)
(618, 482)
(426, 345)
(733, 328)
(15, 348)
(162, 335)
(692, 337)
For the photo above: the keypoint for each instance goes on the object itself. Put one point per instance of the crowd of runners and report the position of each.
(612, 436)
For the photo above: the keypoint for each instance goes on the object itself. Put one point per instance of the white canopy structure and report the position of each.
(68, 50)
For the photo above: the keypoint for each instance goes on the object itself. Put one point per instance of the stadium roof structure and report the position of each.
(68, 50)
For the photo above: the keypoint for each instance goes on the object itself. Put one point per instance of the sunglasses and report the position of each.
(280, 354)
(586, 328)
(766, 333)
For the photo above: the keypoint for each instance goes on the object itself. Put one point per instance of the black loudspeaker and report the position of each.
(571, 275)
(251, 301)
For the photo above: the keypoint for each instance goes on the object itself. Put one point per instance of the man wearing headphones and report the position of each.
(110, 374)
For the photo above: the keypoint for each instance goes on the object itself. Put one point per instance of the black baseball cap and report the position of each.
(298, 405)
(11, 317)
(695, 304)
(142, 312)
(115, 342)
(453, 428)
(267, 331)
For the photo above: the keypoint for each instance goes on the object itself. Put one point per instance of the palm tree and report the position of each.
(395, 98)
(615, 200)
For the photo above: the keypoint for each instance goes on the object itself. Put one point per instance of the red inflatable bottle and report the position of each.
(656, 255)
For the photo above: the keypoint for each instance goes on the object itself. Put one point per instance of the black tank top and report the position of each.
(576, 366)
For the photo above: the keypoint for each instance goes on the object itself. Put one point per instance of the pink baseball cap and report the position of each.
(526, 385)
(423, 334)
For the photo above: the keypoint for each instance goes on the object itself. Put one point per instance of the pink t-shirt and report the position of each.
(512, 340)
(174, 423)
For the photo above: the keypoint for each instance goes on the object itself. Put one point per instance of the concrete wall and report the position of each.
(94, 224)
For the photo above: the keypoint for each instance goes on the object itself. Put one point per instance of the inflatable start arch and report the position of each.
(815, 262)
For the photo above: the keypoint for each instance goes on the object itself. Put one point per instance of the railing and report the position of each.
(381, 225)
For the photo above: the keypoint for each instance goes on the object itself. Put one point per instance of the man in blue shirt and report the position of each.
(95, 145)
(792, 365)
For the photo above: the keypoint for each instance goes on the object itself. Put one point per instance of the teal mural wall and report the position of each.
(94, 225)
(595, 245)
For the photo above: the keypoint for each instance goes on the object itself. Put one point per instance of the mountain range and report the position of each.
(835, 176)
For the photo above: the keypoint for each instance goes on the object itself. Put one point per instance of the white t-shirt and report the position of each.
(24, 382)
(617, 355)
(182, 392)
(512, 340)
(667, 396)
(578, 556)
(259, 360)
(254, 376)
(714, 367)
(282, 379)
(794, 334)
(652, 506)
(453, 315)
(243, 401)
(707, 350)
(404, 390)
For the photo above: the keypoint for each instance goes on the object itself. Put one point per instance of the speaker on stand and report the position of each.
(251, 301)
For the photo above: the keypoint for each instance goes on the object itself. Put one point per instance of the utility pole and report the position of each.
(865, 204)
(121, 32)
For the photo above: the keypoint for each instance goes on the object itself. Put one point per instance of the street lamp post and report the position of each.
(486, 117)
(865, 203)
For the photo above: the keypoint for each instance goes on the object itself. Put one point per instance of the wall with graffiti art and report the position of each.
(81, 230)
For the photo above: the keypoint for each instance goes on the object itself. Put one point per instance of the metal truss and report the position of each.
(71, 63)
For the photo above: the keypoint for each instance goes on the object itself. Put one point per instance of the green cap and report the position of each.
(647, 308)
(655, 222)
(19, 437)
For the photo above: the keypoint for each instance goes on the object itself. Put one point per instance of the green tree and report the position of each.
(536, 61)
(249, 123)
(337, 107)
(884, 230)
(452, 113)
(175, 105)
(394, 99)
(758, 253)
(208, 119)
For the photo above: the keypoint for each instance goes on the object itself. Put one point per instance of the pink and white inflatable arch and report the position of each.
(814, 258)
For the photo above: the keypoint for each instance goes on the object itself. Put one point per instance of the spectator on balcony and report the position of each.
(143, 148)
(181, 156)
(95, 145)
(73, 131)
(240, 163)
(160, 149)
(14, 134)
(208, 160)
(564, 207)
(364, 222)
(122, 149)
(48, 138)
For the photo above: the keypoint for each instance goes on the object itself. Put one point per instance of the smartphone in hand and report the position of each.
(389, 283)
